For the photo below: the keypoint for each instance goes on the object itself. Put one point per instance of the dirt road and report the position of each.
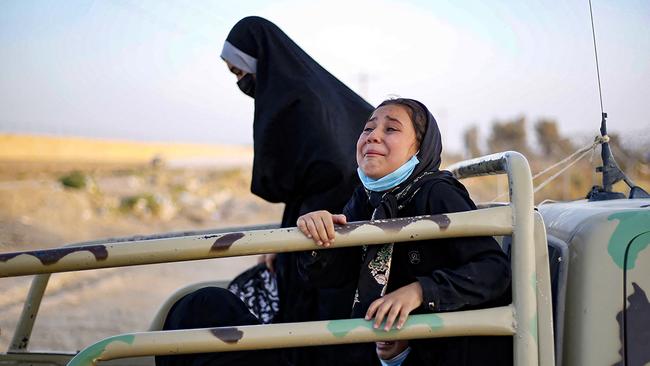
(79, 308)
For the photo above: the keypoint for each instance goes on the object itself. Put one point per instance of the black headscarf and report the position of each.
(306, 121)
(429, 156)
(375, 269)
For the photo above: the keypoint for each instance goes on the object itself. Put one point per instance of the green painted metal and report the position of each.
(494, 321)
(628, 227)
(341, 328)
(90, 355)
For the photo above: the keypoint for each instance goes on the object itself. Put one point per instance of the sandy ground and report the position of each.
(79, 308)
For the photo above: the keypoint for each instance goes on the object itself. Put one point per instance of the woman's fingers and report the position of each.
(395, 306)
(392, 315)
(319, 221)
(329, 228)
(373, 307)
(319, 225)
(382, 310)
(403, 315)
(339, 219)
(302, 225)
(311, 228)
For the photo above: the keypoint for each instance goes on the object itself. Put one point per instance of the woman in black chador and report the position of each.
(305, 126)
(304, 130)
(398, 154)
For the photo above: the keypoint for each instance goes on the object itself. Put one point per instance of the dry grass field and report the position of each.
(123, 192)
(30, 148)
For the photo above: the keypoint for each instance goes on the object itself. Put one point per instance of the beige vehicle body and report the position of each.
(592, 294)
(606, 267)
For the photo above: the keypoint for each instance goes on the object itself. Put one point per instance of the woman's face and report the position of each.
(387, 141)
(235, 70)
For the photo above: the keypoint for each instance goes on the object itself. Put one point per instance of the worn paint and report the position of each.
(51, 256)
(630, 224)
(533, 328)
(482, 166)
(348, 228)
(227, 334)
(340, 328)
(638, 328)
(442, 221)
(533, 320)
(90, 354)
(395, 224)
(224, 242)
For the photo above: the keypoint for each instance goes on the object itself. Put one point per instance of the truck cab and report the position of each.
(602, 313)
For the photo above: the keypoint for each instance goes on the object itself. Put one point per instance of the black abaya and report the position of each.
(305, 128)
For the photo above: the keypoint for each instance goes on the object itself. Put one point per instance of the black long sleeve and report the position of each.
(473, 272)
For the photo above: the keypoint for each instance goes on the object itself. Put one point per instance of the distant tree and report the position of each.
(549, 138)
(470, 136)
(509, 135)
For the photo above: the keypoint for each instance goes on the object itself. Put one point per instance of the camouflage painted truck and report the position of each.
(581, 271)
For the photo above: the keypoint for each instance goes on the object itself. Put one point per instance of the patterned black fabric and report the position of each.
(214, 307)
(258, 289)
(376, 259)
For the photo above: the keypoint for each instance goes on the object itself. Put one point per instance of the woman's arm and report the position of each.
(476, 271)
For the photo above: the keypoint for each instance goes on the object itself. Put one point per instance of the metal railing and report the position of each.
(528, 318)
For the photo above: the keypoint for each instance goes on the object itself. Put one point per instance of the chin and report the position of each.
(372, 173)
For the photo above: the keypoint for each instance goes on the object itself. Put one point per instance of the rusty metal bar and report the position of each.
(492, 221)
(25, 324)
(32, 304)
(524, 279)
(494, 321)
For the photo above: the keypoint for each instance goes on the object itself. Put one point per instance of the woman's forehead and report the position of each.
(391, 112)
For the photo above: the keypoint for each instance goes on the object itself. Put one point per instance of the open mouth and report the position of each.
(385, 344)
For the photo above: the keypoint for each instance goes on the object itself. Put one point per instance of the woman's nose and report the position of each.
(374, 136)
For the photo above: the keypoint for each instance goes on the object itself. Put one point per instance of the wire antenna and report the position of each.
(610, 170)
(593, 34)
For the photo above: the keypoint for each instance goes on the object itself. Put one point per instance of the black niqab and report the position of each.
(306, 121)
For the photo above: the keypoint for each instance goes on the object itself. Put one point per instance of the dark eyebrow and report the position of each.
(390, 118)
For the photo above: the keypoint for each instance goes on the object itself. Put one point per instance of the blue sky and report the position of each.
(150, 70)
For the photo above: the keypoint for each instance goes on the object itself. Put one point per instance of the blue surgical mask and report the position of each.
(397, 360)
(391, 180)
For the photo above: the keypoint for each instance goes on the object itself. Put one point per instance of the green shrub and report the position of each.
(149, 203)
(75, 179)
